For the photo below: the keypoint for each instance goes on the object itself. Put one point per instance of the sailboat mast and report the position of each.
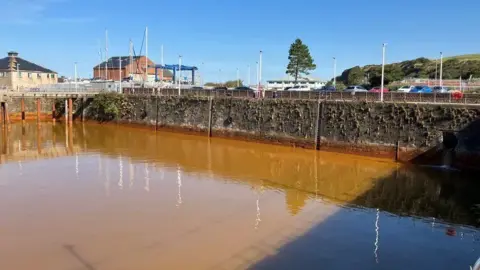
(106, 54)
(146, 53)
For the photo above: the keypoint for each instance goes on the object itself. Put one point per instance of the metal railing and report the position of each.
(315, 95)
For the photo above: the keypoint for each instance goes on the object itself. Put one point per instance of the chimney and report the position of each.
(12, 63)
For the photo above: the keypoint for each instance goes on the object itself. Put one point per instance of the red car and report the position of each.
(377, 90)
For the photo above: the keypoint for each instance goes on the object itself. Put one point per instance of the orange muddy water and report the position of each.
(105, 197)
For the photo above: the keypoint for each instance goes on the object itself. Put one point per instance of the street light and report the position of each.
(75, 75)
(179, 74)
(260, 73)
(249, 82)
(441, 69)
(238, 78)
(334, 72)
(383, 71)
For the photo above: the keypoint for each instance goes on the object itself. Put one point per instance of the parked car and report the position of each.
(244, 88)
(355, 88)
(440, 89)
(196, 88)
(300, 88)
(421, 89)
(220, 88)
(377, 90)
(406, 88)
(287, 88)
(326, 89)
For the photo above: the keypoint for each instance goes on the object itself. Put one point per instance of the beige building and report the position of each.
(17, 74)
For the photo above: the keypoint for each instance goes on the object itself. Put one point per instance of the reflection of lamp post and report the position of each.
(120, 168)
(147, 178)
(258, 219)
(179, 183)
(377, 232)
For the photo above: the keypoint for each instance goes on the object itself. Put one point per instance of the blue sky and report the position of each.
(228, 34)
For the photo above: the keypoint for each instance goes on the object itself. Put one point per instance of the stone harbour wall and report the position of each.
(401, 131)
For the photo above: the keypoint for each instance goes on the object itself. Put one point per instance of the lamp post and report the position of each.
(334, 72)
(120, 72)
(238, 78)
(249, 82)
(383, 71)
(441, 69)
(179, 75)
(75, 76)
(260, 73)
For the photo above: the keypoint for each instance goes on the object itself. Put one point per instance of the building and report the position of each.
(131, 67)
(17, 73)
(290, 82)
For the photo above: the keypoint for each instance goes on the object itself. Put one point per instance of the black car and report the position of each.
(330, 88)
(196, 88)
(220, 88)
(244, 88)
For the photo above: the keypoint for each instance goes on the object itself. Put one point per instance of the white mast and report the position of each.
(131, 58)
(161, 54)
(146, 53)
(106, 54)
(179, 75)
(120, 72)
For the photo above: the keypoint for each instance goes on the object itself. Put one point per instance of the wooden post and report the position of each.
(317, 125)
(54, 111)
(38, 109)
(22, 102)
(2, 114)
(6, 116)
(397, 151)
(84, 103)
(70, 110)
(156, 109)
(210, 106)
(66, 111)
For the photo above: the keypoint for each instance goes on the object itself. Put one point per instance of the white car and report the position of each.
(355, 88)
(300, 88)
(406, 88)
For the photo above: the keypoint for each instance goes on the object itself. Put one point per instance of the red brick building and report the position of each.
(131, 68)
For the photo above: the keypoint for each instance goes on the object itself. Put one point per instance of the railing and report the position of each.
(315, 95)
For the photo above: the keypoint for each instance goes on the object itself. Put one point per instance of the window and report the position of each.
(29, 75)
(19, 74)
(52, 76)
(3, 74)
(39, 76)
(48, 76)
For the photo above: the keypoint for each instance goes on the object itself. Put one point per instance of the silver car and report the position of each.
(355, 88)
(440, 89)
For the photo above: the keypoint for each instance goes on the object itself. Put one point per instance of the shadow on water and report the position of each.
(414, 219)
(434, 195)
(71, 250)
(409, 218)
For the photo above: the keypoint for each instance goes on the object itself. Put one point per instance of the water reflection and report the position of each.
(449, 196)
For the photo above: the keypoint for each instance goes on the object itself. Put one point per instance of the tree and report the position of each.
(355, 76)
(233, 84)
(301, 62)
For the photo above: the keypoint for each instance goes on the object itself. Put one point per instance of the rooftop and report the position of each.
(23, 64)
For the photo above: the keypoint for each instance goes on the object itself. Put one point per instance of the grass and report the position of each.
(464, 57)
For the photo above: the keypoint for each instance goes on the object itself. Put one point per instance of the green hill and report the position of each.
(465, 66)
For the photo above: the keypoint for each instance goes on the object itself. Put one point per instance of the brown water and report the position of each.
(106, 197)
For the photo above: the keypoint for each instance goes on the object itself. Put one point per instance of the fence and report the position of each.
(315, 95)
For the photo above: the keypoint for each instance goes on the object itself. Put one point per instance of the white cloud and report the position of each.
(34, 12)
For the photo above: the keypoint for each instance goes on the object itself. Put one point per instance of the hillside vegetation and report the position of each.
(465, 66)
